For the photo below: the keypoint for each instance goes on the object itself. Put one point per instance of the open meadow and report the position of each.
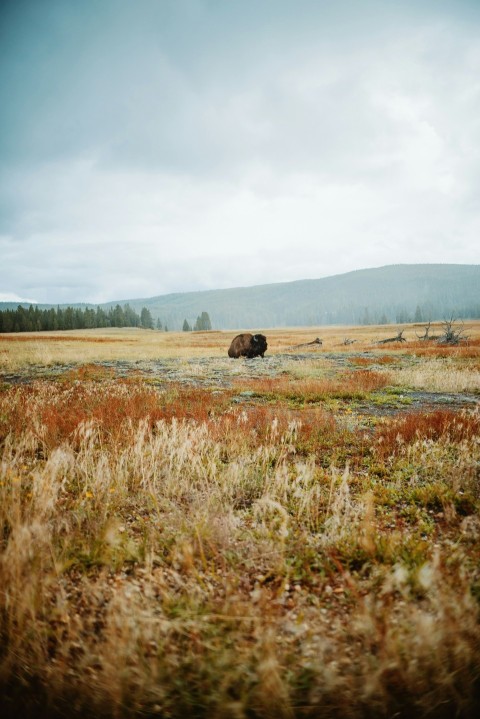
(188, 535)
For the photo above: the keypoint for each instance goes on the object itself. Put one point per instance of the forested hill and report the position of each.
(396, 293)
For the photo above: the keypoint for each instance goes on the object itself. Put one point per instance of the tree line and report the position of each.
(35, 319)
(202, 324)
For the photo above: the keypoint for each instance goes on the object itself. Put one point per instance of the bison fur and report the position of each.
(247, 345)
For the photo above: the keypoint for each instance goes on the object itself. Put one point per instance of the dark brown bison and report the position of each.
(248, 345)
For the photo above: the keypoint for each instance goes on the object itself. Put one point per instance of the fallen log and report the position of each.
(316, 341)
(398, 338)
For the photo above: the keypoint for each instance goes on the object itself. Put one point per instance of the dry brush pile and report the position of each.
(169, 553)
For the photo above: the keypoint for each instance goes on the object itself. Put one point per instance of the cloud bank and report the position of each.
(151, 147)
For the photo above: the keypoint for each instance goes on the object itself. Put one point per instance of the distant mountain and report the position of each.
(395, 293)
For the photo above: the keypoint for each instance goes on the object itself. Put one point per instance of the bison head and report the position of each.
(259, 345)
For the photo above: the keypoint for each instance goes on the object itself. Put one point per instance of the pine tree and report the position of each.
(100, 318)
(117, 317)
(131, 317)
(207, 325)
(418, 314)
(366, 320)
(146, 320)
(203, 323)
(186, 327)
(69, 319)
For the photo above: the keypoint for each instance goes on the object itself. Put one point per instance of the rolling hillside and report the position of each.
(395, 293)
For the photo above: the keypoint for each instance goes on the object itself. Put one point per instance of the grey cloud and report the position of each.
(157, 84)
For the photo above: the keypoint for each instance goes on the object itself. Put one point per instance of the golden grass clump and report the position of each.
(438, 375)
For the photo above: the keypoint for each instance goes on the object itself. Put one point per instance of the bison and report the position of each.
(247, 345)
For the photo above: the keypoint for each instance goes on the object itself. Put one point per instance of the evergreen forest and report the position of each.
(36, 319)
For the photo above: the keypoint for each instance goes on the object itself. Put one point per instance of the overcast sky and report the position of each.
(156, 146)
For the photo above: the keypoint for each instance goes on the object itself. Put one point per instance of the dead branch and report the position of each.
(316, 341)
(425, 337)
(348, 341)
(452, 335)
(398, 338)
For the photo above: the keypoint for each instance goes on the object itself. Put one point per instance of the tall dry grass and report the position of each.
(167, 553)
(438, 375)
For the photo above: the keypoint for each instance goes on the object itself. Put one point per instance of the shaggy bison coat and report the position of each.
(247, 345)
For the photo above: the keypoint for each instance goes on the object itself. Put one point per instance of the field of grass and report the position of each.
(200, 537)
